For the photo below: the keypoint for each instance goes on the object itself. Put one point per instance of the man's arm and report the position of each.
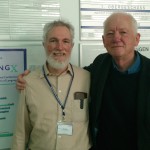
(21, 83)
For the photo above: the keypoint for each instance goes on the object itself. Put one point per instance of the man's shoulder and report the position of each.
(102, 56)
(80, 69)
(145, 60)
(101, 59)
(144, 57)
(34, 74)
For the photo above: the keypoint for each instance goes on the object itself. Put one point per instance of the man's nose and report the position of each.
(117, 36)
(59, 45)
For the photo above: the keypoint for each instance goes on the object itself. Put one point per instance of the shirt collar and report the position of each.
(69, 71)
(134, 68)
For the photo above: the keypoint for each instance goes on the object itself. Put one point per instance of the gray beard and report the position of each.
(57, 64)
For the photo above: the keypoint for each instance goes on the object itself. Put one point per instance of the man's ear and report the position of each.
(103, 40)
(137, 38)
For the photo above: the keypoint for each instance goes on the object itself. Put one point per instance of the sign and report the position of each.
(12, 63)
(94, 12)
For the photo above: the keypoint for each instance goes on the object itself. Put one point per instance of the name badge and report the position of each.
(64, 128)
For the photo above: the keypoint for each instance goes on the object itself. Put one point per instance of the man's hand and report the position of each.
(21, 83)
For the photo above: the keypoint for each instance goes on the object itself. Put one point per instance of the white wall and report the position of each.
(69, 9)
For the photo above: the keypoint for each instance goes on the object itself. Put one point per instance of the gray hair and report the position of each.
(133, 20)
(50, 25)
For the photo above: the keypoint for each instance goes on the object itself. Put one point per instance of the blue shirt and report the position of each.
(134, 68)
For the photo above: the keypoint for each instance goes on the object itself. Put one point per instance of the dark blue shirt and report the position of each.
(134, 68)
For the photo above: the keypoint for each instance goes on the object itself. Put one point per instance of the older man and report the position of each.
(53, 108)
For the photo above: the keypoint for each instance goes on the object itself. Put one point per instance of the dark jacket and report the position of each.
(99, 70)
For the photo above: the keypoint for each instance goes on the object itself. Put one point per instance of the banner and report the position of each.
(12, 63)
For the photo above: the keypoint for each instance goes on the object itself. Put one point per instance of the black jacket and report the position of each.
(99, 70)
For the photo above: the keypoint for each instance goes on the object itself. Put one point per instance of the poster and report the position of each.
(88, 52)
(12, 63)
(94, 12)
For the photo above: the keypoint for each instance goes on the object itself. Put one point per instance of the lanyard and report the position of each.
(54, 93)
